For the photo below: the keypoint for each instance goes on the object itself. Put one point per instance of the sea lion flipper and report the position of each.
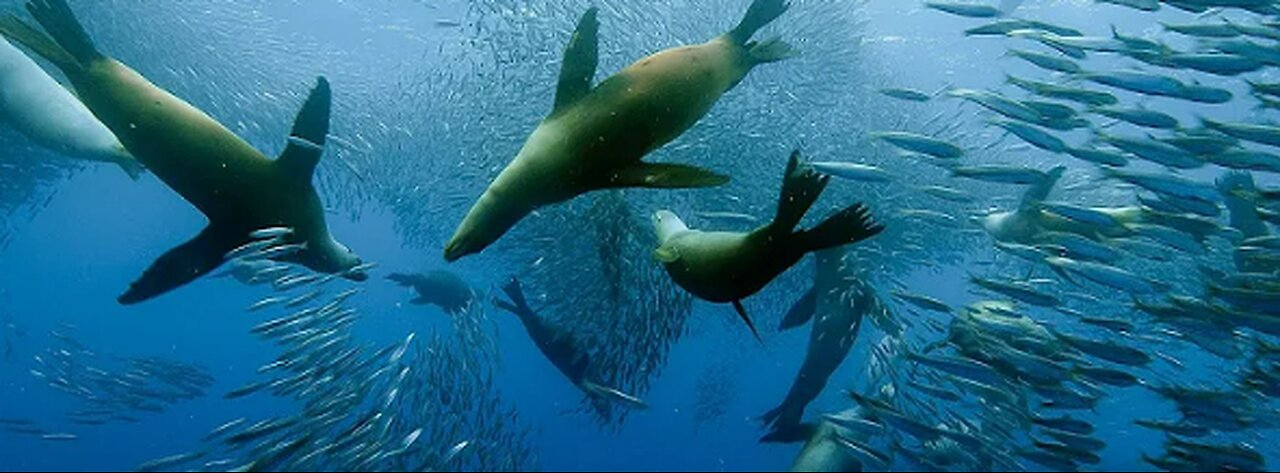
(1038, 192)
(184, 264)
(666, 254)
(67, 45)
(742, 312)
(801, 187)
(20, 32)
(581, 58)
(667, 176)
(310, 130)
(802, 311)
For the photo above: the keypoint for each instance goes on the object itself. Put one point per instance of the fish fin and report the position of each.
(184, 264)
(801, 187)
(666, 254)
(771, 50)
(848, 226)
(802, 311)
(1039, 191)
(667, 176)
(310, 129)
(742, 312)
(581, 58)
(761, 13)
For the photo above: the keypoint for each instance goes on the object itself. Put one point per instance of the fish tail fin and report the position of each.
(761, 13)
(800, 189)
(67, 45)
(770, 50)
(848, 226)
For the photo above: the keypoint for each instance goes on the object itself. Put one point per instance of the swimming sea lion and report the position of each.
(823, 450)
(44, 111)
(595, 138)
(238, 188)
(1030, 220)
(837, 302)
(562, 349)
(728, 267)
(440, 288)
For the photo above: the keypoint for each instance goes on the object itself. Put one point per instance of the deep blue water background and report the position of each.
(100, 231)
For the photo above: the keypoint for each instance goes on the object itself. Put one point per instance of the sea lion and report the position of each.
(439, 288)
(837, 302)
(595, 138)
(823, 450)
(40, 108)
(1030, 221)
(728, 267)
(562, 349)
(238, 188)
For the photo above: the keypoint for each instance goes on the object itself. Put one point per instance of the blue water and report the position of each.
(434, 111)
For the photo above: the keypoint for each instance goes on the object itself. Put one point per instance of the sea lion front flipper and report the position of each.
(802, 311)
(310, 129)
(581, 58)
(419, 301)
(742, 312)
(666, 254)
(667, 176)
(184, 264)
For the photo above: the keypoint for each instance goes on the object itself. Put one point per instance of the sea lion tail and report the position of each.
(761, 13)
(800, 189)
(851, 225)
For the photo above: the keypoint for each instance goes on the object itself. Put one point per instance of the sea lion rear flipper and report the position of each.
(742, 312)
(184, 264)
(581, 58)
(802, 311)
(310, 129)
(66, 45)
(667, 176)
(801, 186)
(1038, 192)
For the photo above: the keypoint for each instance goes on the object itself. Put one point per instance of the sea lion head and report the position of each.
(332, 257)
(667, 224)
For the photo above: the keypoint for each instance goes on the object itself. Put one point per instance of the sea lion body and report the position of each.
(596, 138)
